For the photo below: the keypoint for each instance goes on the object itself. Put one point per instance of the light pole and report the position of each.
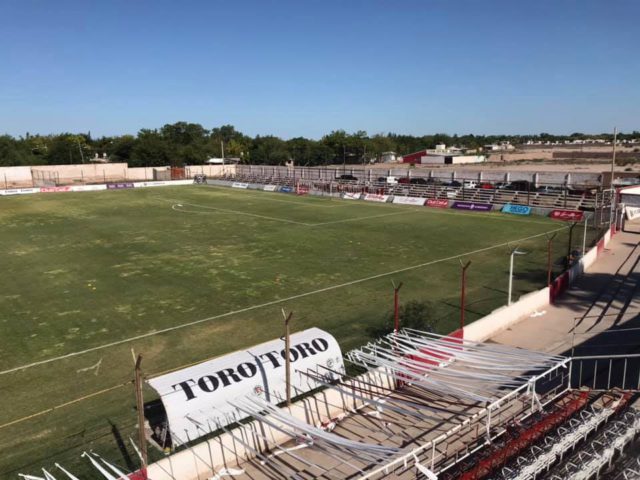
(287, 347)
(549, 246)
(463, 285)
(514, 252)
(396, 306)
(613, 166)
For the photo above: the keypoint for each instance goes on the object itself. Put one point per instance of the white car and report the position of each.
(469, 184)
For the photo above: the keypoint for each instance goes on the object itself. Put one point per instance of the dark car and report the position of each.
(419, 181)
(550, 189)
(346, 178)
(520, 186)
(454, 183)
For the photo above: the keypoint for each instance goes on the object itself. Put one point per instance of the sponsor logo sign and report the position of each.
(302, 190)
(88, 188)
(516, 209)
(632, 212)
(479, 207)
(374, 197)
(408, 200)
(437, 203)
(286, 189)
(566, 215)
(54, 189)
(201, 393)
(269, 188)
(240, 185)
(118, 186)
(19, 191)
(351, 196)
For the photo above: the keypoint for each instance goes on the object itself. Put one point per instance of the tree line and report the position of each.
(184, 143)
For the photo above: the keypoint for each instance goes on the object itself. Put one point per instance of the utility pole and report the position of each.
(142, 440)
(613, 165)
(396, 307)
(584, 236)
(287, 346)
(463, 285)
(222, 150)
(569, 244)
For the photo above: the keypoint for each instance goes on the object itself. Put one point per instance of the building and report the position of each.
(441, 155)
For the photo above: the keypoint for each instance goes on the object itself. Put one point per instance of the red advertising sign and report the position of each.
(432, 202)
(302, 190)
(566, 215)
(54, 189)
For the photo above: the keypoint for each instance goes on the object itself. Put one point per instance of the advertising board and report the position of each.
(286, 189)
(408, 200)
(476, 207)
(516, 209)
(269, 188)
(240, 185)
(351, 196)
(19, 191)
(119, 186)
(632, 212)
(88, 188)
(566, 215)
(54, 189)
(201, 394)
(374, 197)
(437, 203)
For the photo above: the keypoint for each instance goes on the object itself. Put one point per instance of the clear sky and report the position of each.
(306, 67)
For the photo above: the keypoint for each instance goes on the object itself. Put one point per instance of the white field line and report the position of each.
(273, 302)
(309, 201)
(224, 210)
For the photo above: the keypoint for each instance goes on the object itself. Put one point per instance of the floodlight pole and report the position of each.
(142, 439)
(514, 252)
(463, 285)
(584, 236)
(287, 358)
(569, 244)
(396, 306)
(613, 166)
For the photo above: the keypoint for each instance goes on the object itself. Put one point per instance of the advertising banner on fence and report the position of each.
(374, 197)
(239, 185)
(286, 189)
(632, 212)
(351, 196)
(434, 203)
(478, 207)
(19, 191)
(408, 200)
(566, 215)
(119, 186)
(54, 189)
(269, 188)
(516, 209)
(88, 188)
(200, 394)
(302, 190)
(149, 184)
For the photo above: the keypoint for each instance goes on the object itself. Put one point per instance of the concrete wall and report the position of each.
(15, 177)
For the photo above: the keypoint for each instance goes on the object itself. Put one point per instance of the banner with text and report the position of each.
(516, 209)
(199, 395)
(477, 207)
(119, 186)
(351, 196)
(408, 200)
(632, 212)
(566, 215)
(435, 203)
(19, 191)
(269, 188)
(239, 185)
(374, 197)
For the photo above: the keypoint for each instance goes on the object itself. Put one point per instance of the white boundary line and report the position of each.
(273, 302)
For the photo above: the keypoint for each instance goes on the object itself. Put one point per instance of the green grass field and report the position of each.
(92, 271)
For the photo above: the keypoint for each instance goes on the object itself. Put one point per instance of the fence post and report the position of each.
(5, 181)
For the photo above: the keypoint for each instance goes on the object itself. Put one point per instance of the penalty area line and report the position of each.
(271, 303)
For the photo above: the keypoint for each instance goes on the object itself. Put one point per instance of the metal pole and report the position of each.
(584, 236)
(510, 277)
(287, 346)
(462, 291)
(613, 164)
(569, 244)
(142, 440)
(396, 307)
(549, 248)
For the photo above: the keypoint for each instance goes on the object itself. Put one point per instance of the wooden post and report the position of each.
(462, 291)
(287, 358)
(142, 440)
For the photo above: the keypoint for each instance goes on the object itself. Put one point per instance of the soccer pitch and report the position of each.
(182, 274)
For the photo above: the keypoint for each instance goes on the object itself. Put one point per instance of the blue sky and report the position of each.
(304, 68)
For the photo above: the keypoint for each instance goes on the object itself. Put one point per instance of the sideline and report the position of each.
(271, 303)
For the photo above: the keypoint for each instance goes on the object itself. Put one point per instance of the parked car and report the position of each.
(453, 183)
(418, 181)
(501, 185)
(388, 180)
(346, 178)
(485, 186)
(469, 184)
(519, 185)
(550, 189)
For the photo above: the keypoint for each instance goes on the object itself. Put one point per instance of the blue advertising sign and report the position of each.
(516, 209)
(286, 189)
(481, 207)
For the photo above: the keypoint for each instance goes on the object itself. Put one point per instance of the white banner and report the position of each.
(149, 184)
(408, 200)
(351, 196)
(269, 188)
(374, 197)
(239, 185)
(19, 191)
(88, 188)
(196, 398)
(632, 212)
